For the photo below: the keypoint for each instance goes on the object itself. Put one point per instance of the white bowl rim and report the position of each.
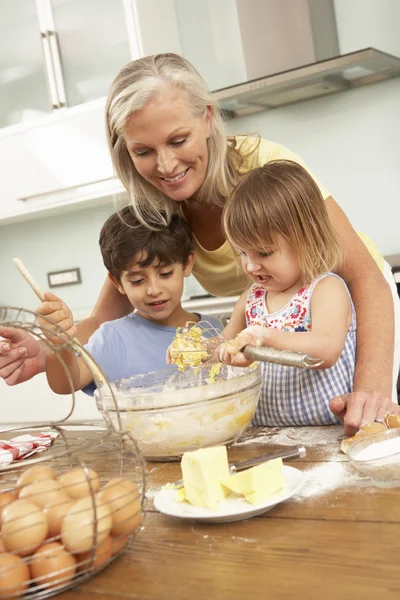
(393, 432)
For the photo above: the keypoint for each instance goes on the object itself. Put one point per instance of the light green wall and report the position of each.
(56, 243)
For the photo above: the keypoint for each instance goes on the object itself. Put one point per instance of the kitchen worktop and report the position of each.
(336, 538)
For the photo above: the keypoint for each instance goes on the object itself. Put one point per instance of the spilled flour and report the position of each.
(292, 436)
(330, 476)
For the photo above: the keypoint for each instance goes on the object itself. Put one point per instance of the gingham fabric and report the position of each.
(24, 446)
(292, 396)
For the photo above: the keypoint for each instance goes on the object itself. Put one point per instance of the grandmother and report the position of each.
(168, 146)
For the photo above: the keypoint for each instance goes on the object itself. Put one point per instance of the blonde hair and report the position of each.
(281, 198)
(131, 90)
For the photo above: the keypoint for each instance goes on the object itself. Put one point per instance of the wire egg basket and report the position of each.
(68, 512)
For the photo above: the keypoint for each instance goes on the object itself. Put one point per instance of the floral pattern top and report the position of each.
(292, 396)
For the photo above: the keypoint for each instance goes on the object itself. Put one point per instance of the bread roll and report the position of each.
(367, 429)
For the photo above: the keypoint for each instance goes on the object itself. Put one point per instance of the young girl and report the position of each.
(277, 222)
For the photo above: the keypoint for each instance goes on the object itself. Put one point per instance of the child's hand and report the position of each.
(56, 310)
(222, 355)
(168, 355)
(230, 353)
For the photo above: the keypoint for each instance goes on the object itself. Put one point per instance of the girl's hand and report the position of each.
(56, 310)
(230, 353)
(21, 356)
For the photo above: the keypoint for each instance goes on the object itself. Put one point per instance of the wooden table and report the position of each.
(339, 537)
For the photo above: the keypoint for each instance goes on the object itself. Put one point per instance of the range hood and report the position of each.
(321, 78)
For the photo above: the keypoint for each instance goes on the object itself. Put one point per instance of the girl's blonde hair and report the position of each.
(131, 90)
(281, 198)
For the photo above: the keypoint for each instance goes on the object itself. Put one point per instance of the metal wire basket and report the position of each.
(69, 511)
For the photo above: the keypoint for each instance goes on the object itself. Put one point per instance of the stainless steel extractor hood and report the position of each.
(310, 81)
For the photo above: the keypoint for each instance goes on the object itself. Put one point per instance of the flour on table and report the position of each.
(292, 436)
(330, 476)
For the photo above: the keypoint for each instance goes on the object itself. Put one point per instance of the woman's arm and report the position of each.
(109, 306)
(375, 329)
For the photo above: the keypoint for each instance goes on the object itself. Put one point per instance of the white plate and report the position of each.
(234, 508)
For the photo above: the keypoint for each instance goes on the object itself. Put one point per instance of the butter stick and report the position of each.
(202, 471)
(258, 483)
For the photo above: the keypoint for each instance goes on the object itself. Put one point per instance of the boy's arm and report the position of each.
(331, 318)
(57, 372)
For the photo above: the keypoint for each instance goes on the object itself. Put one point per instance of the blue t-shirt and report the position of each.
(132, 346)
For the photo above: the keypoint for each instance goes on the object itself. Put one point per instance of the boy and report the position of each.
(148, 267)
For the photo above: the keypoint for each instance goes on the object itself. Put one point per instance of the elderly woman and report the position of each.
(167, 142)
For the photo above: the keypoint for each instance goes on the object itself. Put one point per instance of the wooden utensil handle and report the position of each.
(76, 343)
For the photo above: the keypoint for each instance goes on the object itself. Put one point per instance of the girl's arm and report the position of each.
(331, 318)
(237, 321)
(109, 306)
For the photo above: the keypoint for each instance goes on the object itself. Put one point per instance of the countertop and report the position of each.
(338, 537)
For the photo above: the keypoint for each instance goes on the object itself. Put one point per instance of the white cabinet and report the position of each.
(62, 161)
(57, 53)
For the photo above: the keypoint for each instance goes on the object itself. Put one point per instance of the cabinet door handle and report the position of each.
(57, 68)
(50, 76)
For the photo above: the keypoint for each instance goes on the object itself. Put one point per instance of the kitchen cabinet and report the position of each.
(63, 162)
(58, 53)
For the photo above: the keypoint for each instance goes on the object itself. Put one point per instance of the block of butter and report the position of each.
(202, 471)
(257, 483)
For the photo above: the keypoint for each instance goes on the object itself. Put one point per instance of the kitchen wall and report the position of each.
(351, 141)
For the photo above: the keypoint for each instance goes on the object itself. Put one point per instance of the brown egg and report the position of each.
(5, 498)
(123, 498)
(41, 492)
(367, 429)
(371, 428)
(76, 484)
(392, 420)
(103, 554)
(119, 543)
(36, 473)
(24, 527)
(52, 566)
(80, 523)
(2, 546)
(14, 576)
(55, 512)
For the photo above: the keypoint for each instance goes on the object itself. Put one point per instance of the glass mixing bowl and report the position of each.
(169, 412)
(378, 456)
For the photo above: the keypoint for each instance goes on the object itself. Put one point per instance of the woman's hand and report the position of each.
(21, 356)
(56, 310)
(358, 408)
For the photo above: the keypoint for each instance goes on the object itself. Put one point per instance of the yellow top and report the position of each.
(217, 270)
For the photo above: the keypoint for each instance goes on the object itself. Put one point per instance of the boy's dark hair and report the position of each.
(122, 237)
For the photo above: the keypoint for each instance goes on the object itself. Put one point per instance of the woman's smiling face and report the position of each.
(168, 144)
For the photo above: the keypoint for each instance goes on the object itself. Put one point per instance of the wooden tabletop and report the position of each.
(338, 537)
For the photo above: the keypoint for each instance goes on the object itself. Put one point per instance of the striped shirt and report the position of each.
(292, 396)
